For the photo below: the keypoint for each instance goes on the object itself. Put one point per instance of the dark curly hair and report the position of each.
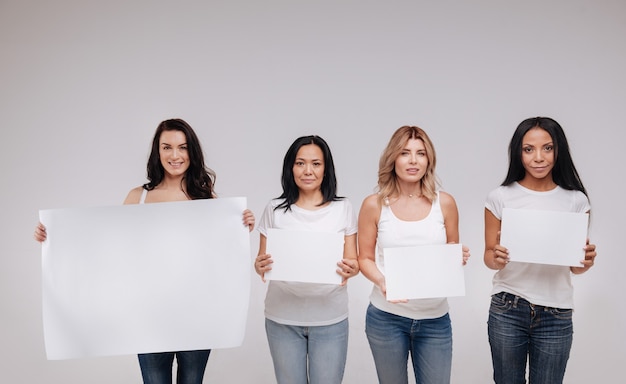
(199, 179)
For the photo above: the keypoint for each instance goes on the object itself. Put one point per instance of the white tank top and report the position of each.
(393, 232)
(142, 199)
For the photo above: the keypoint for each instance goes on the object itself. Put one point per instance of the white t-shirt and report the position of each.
(541, 284)
(308, 304)
(393, 232)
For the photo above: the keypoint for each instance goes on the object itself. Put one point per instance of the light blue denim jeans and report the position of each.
(392, 338)
(519, 332)
(301, 355)
(156, 368)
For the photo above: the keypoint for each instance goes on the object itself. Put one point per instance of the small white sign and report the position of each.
(425, 271)
(304, 256)
(544, 237)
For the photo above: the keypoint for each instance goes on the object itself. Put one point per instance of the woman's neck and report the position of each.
(172, 184)
(539, 185)
(410, 190)
(310, 200)
(169, 189)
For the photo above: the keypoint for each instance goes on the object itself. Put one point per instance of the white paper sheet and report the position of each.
(304, 256)
(544, 237)
(426, 271)
(145, 278)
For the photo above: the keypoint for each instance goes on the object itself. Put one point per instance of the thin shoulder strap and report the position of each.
(142, 199)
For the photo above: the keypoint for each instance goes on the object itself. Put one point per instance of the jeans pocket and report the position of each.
(562, 313)
(501, 302)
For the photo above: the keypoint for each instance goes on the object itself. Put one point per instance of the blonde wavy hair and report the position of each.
(387, 178)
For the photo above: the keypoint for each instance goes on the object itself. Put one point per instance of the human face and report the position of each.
(538, 154)
(173, 152)
(308, 168)
(412, 163)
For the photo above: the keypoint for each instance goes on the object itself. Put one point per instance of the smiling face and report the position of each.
(173, 153)
(308, 168)
(412, 162)
(538, 155)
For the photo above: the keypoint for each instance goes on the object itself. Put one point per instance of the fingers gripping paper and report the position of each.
(145, 278)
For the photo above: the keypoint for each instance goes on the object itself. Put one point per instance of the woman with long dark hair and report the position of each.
(530, 317)
(176, 172)
(307, 323)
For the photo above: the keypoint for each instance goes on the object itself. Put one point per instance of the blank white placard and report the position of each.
(304, 256)
(425, 271)
(544, 237)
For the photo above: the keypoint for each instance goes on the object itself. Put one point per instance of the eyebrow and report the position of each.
(530, 145)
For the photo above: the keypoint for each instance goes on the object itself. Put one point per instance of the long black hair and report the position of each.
(564, 172)
(329, 182)
(199, 179)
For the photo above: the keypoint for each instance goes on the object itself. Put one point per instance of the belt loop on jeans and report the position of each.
(515, 301)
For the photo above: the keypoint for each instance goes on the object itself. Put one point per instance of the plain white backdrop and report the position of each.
(83, 85)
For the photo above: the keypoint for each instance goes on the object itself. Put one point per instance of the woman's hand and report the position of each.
(500, 256)
(40, 233)
(262, 264)
(248, 219)
(383, 288)
(347, 269)
(590, 256)
(466, 254)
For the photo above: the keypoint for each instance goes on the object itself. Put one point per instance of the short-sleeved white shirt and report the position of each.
(308, 304)
(541, 284)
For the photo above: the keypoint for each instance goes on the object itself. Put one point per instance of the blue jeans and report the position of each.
(392, 338)
(156, 368)
(519, 330)
(324, 348)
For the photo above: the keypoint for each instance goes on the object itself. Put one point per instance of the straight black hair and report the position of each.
(290, 189)
(564, 172)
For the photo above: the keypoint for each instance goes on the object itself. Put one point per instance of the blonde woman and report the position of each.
(408, 210)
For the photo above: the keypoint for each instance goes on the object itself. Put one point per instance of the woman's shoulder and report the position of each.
(580, 200)
(371, 204)
(341, 201)
(134, 196)
(275, 202)
(504, 190)
(372, 199)
(445, 197)
(446, 200)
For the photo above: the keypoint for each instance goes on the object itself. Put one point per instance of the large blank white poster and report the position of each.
(544, 237)
(145, 278)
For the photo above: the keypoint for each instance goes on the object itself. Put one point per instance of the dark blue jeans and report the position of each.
(521, 332)
(156, 368)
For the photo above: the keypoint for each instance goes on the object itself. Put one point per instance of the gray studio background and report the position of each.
(83, 85)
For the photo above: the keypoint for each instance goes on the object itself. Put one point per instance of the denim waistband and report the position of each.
(518, 300)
